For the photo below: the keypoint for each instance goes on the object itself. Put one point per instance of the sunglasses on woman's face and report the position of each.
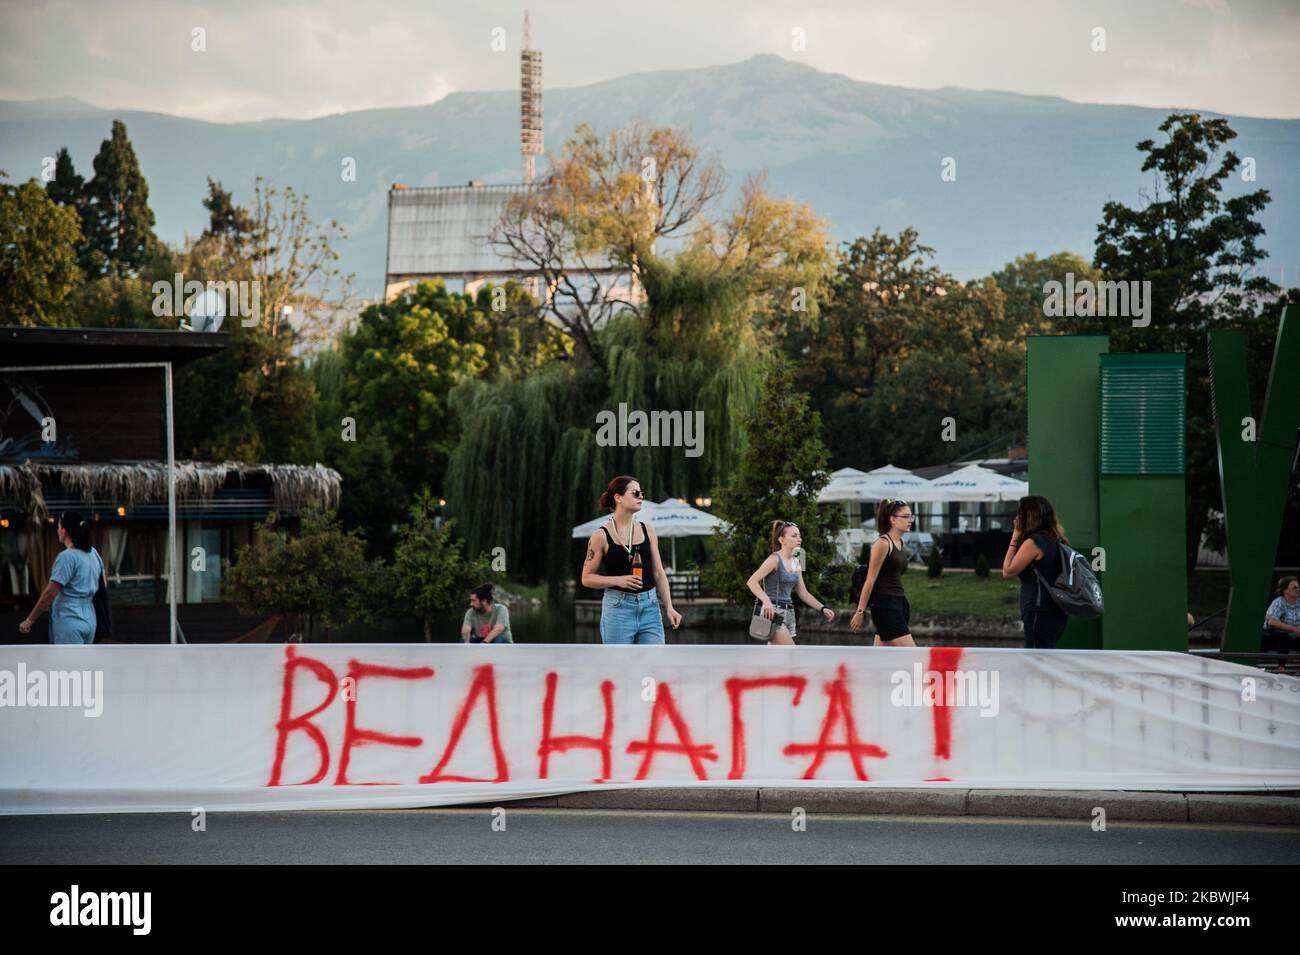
(637, 494)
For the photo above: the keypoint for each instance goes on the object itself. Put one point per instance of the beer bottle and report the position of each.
(636, 565)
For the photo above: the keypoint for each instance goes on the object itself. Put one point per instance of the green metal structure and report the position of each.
(1063, 382)
(1141, 452)
(1256, 463)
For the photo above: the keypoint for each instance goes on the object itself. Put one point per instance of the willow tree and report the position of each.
(529, 465)
(684, 334)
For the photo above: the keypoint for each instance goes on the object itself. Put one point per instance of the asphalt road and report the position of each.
(575, 836)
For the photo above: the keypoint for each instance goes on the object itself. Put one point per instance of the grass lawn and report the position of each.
(1207, 593)
(537, 591)
(989, 596)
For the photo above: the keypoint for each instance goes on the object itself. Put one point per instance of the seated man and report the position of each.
(1282, 619)
(485, 621)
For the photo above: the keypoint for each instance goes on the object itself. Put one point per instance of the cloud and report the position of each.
(294, 58)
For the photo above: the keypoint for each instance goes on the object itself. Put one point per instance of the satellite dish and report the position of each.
(207, 311)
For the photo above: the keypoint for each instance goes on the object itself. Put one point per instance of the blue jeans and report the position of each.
(631, 618)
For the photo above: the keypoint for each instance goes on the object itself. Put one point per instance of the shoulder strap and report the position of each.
(607, 537)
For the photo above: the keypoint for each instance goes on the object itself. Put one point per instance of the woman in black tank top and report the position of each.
(883, 590)
(618, 562)
(634, 581)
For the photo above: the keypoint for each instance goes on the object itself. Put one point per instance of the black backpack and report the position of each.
(1075, 589)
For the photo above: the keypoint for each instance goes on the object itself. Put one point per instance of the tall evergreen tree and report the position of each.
(781, 472)
(118, 223)
(226, 220)
(67, 188)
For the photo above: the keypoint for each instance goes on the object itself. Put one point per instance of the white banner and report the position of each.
(163, 728)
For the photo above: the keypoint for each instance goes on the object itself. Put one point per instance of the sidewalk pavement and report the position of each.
(1127, 806)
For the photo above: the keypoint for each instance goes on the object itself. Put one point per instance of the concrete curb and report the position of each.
(1079, 805)
(1267, 810)
(919, 802)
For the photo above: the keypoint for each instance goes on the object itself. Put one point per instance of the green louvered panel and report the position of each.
(1143, 421)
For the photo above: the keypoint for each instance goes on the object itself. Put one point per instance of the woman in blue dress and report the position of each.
(77, 573)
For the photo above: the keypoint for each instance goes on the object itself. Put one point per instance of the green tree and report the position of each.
(781, 472)
(430, 572)
(405, 356)
(67, 188)
(621, 200)
(705, 289)
(253, 401)
(1022, 281)
(225, 218)
(529, 465)
(38, 269)
(374, 499)
(1200, 252)
(118, 222)
(898, 347)
(256, 399)
(320, 576)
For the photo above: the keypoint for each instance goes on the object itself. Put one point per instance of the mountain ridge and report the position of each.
(1033, 171)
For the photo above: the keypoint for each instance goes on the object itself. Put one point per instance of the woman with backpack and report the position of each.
(778, 580)
(1036, 536)
(77, 573)
(882, 590)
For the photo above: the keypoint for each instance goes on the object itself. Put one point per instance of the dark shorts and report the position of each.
(891, 615)
(1279, 641)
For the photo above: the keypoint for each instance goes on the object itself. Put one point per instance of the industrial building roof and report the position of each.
(443, 230)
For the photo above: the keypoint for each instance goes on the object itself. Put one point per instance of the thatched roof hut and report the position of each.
(131, 483)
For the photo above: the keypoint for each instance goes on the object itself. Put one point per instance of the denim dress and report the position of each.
(72, 615)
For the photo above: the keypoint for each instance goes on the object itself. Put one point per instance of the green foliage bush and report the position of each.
(429, 572)
(319, 576)
(780, 474)
(934, 565)
(833, 584)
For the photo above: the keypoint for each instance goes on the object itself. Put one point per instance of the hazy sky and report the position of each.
(267, 58)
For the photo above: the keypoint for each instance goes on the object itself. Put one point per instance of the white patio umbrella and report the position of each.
(977, 483)
(671, 519)
(883, 482)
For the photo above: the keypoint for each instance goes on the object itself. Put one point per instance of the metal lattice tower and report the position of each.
(530, 104)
